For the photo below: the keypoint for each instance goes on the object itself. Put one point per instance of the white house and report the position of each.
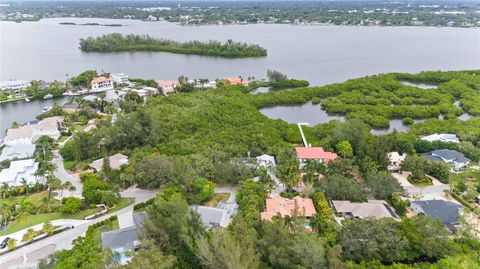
(19, 170)
(100, 84)
(14, 84)
(265, 161)
(454, 158)
(119, 78)
(29, 134)
(396, 160)
(17, 152)
(451, 138)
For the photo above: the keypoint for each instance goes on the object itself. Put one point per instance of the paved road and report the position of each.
(45, 247)
(65, 176)
(435, 191)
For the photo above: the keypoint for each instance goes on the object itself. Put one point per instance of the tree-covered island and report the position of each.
(117, 42)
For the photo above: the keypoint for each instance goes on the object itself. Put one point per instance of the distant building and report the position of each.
(119, 78)
(315, 154)
(113, 96)
(452, 157)
(265, 161)
(19, 170)
(396, 160)
(234, 80)
(17, 152)
(371, 209)
(116, 161)
(286, 207)
(448, 212)
(211, 216)
(451, 138)
(168, 86)
(29, 134)
(100, 84)
(14, 84)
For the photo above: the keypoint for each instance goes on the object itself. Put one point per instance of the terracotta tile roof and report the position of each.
(285, 207)
(167, 83)
(316, 153)
(234, 80)
(99, 79)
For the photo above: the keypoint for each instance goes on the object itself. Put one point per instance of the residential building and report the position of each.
(315, 154)
(234, 80)
(448, 212)
(451, 138)
(211, 216)
(113, 96)
(371, 209)
(29, 134)
(452, 157)
(265, 161)
(119, 78)
(396, 160)
(17, 152)
(168, 86)
(116, 161)
(14, 85)
(100, 84)
(19, 171)
(286, 207)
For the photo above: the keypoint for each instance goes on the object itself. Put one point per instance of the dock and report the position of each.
(304, 140)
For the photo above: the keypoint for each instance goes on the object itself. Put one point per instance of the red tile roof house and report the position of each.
(314, 153)
(168, 86)
(285, 207)
(100, 84)
(234, 80)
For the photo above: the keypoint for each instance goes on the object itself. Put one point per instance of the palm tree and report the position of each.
(6, 212)
(72, 189)
(25, 185)
(48, 228)
(65, 186)
(53, 184)
(5, 190)
(22, 215)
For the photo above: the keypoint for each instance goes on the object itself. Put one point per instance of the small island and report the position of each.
(117, 42)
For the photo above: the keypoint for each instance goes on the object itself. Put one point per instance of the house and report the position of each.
(371, 209)
(452, 157)
(112, 96)
(100, 84)
(396, 160)
(265, 161)
(18, 171)
(14, 85)
(30, 133)
(449, 138)
(126, 239)
(119, 78)
(448, 212)
(286, 207)
(168, 86)
(70, 108)
(116, 161)
(315, 154)
(211, 216)
(17, 152)
(234, 80)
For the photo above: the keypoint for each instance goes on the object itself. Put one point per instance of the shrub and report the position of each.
(70, 205)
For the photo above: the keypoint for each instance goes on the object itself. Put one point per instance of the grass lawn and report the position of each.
(296, 137)
(219, 197)
(474, 174)
(32, 220)
(62, 138)
(36, 199)
(108, 226)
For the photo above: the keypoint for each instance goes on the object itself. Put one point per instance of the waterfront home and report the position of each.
(100, 84)
(371, 209)
(119, 78)
(396, 161)
(113, 96)
(211, 216)
(116, 161)
(168, 86)
(449, 138)
(234, 80)
(29, 134)
(451, 157)
(17, 152)
(19, 171)
(448, 212)
(315, 154)
(14, 85)
(286, 207)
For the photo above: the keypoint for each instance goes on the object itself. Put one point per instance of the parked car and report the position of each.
(4, 242)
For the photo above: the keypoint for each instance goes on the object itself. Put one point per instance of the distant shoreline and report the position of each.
(91, 24)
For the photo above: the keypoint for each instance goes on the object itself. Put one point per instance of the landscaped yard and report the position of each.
(219, 197)
(107, 226)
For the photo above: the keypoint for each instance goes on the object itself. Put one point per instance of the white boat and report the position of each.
(27, 100)
(46, 109)
(48, 96)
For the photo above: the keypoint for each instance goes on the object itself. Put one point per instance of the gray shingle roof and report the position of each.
(447, 211)
(210, 216)
(121, 238)
(451, 155)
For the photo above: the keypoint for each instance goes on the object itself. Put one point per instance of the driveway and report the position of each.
(65, 176)
(435, 191)
(63, 240)
(231, 190)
